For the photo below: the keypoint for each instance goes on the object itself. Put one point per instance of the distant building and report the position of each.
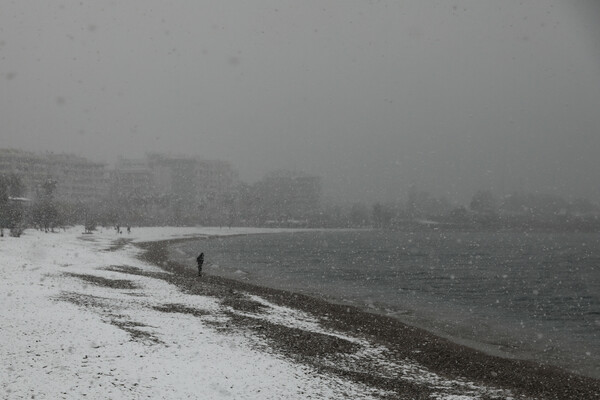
(191, 178)
(154, 189)
(288, 196)
(178, 189)
(29, 167)
(131, 178)
(78, 180)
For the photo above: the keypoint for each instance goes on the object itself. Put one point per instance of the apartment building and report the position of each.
(77, 179)
(176, 189)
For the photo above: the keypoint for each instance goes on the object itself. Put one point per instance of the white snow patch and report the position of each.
(67, 335)
(55, 349)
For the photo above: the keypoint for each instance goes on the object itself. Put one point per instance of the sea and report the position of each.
(527, 295)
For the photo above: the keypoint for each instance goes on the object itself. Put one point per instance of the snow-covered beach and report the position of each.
(88, 316)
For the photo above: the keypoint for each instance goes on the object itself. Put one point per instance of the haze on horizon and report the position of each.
(372, 96)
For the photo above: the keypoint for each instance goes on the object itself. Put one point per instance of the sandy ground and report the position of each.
(109, 316)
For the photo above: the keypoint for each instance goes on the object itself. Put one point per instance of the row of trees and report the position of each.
(531, 204)
(17, 212)
(525, 210)
(11, 212)
(518, 210)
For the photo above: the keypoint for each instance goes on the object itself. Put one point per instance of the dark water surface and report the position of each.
(531, 295)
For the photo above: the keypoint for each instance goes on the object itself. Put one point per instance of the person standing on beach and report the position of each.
(200, 261)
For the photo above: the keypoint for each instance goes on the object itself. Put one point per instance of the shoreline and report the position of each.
(498, 339)
(438, 354)
(84, 317)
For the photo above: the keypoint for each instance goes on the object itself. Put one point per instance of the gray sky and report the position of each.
(372, 95)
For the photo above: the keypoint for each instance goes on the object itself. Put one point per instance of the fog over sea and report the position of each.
(526, 295)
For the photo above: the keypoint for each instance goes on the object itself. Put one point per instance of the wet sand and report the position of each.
(439, 355)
